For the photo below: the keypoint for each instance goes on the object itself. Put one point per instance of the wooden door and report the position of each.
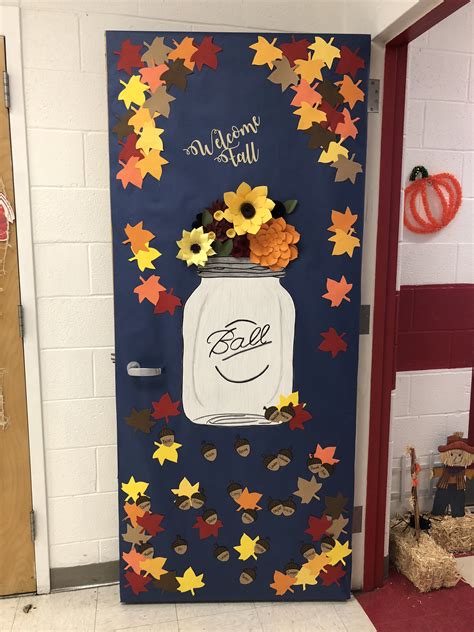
(17, 562)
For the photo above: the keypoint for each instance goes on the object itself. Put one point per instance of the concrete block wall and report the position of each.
(65, 88)
(439, 134)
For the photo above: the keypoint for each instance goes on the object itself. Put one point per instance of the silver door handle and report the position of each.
(135, 370)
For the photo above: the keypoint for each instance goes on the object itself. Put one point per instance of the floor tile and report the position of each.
(353, 616)
(7, 612)
(168, 626)
(241, 621)
(190, 610)
(64, 611)
(300, 617)
(113, 615)
(466, 568)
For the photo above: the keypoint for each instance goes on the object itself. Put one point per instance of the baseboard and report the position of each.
(88, 575)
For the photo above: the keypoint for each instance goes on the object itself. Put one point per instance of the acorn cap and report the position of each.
(141, 498)
(208, 513)
(240, 442)
(233, 487)
(179, 541)
(166, 432)
(292, 564)
(251, 572)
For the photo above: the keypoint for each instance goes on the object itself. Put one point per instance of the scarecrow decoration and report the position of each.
(457, 456)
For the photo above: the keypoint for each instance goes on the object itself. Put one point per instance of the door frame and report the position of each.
(385, 298)
(11, 28)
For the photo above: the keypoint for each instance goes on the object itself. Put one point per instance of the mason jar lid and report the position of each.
(217, 267)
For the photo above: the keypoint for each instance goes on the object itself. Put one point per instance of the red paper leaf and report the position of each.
(206, 54)
(151, 523)
(301, 416)
(317, 527)
(333, 116)
(296, 49)
(349, 63)
(332, 575)
(129, 149)
(168, 302)
(129, 57)
(207, 530)
(165, 408)
(137, 582)
(333, 343)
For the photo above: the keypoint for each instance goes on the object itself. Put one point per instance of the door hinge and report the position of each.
(373, 96)
(6, 89)
(33, 525)
(21, 323)
(364, 320)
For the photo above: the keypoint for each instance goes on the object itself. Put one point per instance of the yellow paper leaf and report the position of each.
(134, 488)
(265, 52)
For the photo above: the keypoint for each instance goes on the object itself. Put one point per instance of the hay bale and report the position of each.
(455, 535)
(424, 563)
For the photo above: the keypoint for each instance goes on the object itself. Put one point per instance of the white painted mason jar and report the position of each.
(238, 330)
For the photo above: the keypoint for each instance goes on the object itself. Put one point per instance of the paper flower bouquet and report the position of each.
(246, 224)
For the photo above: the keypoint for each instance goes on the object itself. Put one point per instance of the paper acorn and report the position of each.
(427, 193)
(247, 223)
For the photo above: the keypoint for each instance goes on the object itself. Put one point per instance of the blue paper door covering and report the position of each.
(237, 166)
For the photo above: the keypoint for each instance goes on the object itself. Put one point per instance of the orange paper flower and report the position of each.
(273, 245)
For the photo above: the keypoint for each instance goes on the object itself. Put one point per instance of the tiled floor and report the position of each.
(99, 609)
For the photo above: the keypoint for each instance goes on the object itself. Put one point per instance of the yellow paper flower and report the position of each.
(218, 215)
(248, 208)
(196, 246)
(230, 232)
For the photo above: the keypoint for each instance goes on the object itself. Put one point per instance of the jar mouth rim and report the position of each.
(237, 267)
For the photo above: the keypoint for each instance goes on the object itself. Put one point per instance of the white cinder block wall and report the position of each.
(65, 83)
(439, 134)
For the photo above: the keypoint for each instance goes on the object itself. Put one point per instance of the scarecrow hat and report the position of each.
(455, 442)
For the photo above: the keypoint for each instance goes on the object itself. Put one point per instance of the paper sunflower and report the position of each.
(248, 208)
(196, 246)
(274, 244)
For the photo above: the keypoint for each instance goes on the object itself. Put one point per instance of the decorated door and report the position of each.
(237, 185)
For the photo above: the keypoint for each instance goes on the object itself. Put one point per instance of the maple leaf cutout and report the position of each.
(346, 169)
(165, 408)
(326, 455)
(154, 567)
(305, 577)
(337, 291)
(152, 76)
(184, 50)
(265, 52)
(338, 553)
(207, 530)
(129, 148)
(300, 418)
(305, 93)
(168, 303)
(246, 548)
(134, 488)
(296, 49)
(317, 527)
(129, 57)
(130, 173)
(248, 500)
(344, 243)
(133, 512)
(137, 236)
(350, 91)
(140, 420)
(282, 583)
(189, 581)
(325, 51)
(132, 560)
(133, 92)
(333, 343)
(206, 53)
(137, 583)
(151, 523)
(332, 575)
(185, 488)
(342, 221)
(145, 258)
(349, 63)
(149, 289)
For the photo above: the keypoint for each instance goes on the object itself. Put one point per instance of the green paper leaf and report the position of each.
(206, 217)
(290, 205)
(223, 249)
